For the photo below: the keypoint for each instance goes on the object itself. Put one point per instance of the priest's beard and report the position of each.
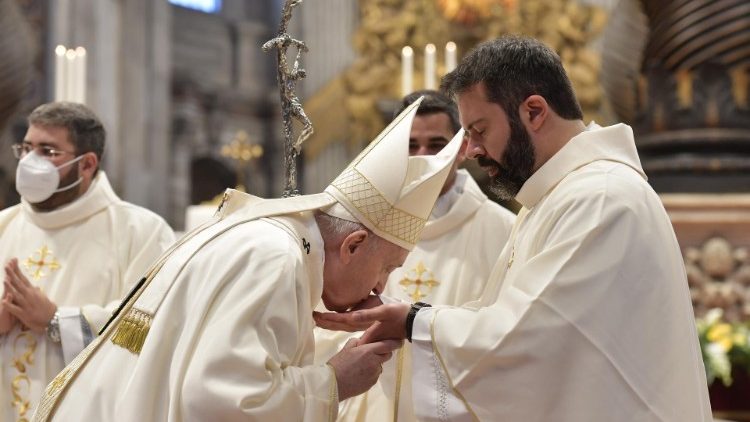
(517, 163)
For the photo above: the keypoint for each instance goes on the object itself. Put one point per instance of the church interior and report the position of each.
(191, 106)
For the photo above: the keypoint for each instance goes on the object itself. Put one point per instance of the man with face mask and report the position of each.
(70, 248)
(587, 315)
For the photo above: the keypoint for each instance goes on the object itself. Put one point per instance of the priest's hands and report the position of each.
(381, 322)
(370, 302)
(27, 303)
(358, 365)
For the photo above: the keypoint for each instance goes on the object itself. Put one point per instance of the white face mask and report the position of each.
(37, 178)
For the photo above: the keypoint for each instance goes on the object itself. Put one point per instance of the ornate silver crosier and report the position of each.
(291, 108)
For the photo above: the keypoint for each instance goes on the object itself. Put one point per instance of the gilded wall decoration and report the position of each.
(386, 26)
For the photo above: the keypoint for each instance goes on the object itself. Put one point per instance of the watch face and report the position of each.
(53, 329)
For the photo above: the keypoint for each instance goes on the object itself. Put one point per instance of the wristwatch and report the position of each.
(53, 328)
(415, 307)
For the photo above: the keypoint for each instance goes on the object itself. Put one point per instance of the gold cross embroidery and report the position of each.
(44, 253)
(418, 281)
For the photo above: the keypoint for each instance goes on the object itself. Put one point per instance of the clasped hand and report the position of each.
(359, 364)
(22, 302)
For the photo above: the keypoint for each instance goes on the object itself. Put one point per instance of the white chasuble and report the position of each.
(449, 266)
(83, 256)
(587, 316)
(230, 337)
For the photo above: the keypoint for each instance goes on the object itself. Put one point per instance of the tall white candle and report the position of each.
(407, 71)
(61, 80)
(450, 56)
(80, 72)
(71, 89)
(429, 66)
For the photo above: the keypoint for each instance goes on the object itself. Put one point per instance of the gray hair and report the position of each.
(334, 229)
(85, 130)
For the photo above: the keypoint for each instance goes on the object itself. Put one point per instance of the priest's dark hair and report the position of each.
(434, 102)
(85, 130)
(513, 68)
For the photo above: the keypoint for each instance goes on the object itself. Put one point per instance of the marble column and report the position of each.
(328, 27)
(128, 86)
(144, 102)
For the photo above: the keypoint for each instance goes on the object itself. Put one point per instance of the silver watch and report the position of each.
(53, 328)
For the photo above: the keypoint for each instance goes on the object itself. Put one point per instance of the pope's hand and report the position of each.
(381, 322)
(358, 367)
(29, 304)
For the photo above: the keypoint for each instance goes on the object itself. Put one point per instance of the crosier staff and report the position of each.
(290, 103)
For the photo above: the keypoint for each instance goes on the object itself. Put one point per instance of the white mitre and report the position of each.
(389, 192)
(384, 189)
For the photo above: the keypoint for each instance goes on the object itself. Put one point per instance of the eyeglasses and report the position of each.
(19, 150)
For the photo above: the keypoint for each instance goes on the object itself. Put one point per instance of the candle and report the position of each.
(450, 56)
(407, 71)
(80, 75)
(71, 88)
(429, 66)
(60, 74)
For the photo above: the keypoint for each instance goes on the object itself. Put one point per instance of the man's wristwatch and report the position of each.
(415, 307)
(53, 328)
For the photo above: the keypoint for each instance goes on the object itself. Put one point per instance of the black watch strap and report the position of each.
(415, 307)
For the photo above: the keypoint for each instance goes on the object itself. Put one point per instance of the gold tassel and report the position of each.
(132, 330)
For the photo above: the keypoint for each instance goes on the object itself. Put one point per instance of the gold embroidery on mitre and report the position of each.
(132, 330)
(41, 262)
(419, 282)
(364, 196)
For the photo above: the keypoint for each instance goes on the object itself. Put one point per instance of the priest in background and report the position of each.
(449, 266)
(68, 249)
(587, 315)
(221, 327)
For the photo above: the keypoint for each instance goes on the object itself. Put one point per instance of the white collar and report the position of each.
(611, 143)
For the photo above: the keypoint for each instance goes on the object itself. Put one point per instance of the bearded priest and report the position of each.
(587, 314)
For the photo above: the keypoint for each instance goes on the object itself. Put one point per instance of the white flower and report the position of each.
(718, 360)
